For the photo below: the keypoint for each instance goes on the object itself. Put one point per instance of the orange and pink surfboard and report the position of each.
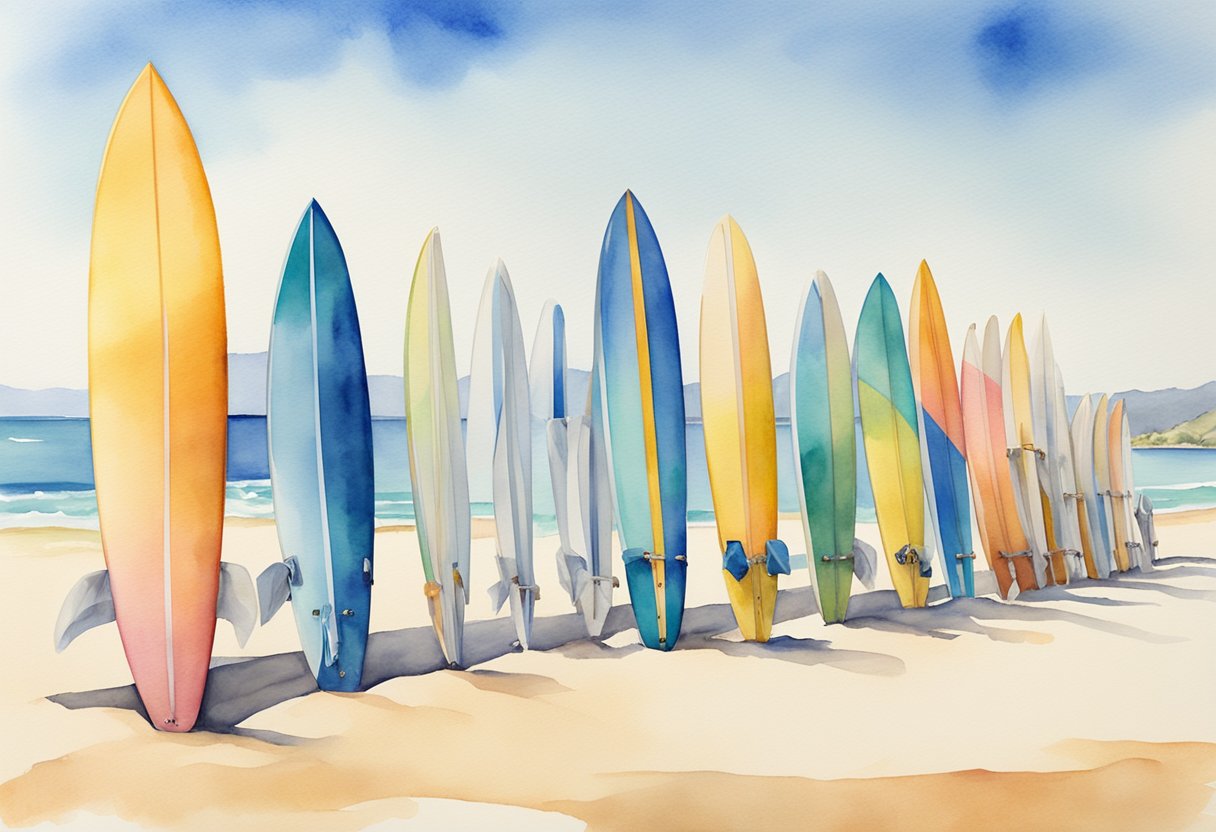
(158, 395)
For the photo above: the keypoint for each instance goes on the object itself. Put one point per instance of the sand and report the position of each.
(1086, 707)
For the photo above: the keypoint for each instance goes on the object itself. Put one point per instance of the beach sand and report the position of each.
(1086, 707)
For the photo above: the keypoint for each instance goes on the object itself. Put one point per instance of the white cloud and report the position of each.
(1064, 202)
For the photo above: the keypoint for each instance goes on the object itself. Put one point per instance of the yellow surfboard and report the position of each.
(740, 431)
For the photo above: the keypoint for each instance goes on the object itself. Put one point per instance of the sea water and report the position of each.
(46, 474)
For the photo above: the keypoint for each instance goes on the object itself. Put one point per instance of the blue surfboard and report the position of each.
(320, 436)
(639, 402)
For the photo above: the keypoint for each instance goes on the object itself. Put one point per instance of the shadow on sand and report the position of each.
(239, 688)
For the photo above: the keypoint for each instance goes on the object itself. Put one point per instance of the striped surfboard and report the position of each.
(740, 430)
(641, 410)
(943, 445)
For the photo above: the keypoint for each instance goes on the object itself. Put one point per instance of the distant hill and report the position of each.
(1155, 411)
(781, 399)
(1158, 410)
(1199, 431)
(53, 401)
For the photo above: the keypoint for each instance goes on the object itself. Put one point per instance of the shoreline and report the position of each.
(484, 526)
(1136, 447)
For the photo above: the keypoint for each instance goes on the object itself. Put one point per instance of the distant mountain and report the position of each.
(781, 399)
(1154, 411)
(247, 383)
(53, 401)
(1198, 431)
(1158, 410)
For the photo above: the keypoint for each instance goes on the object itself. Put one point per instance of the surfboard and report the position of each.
(438, 476)
(319, 432)
(1148, 527)
(499, 421)
(641, 410)
(740, 430)
(158, 406)
(825, 451)
(547, 364)
(996, 511)
(1082, 430)
(1056, 475)
(1145, 544)
(589, 496)
(943, 445)
(1025, 455)
(578, 472)
(892, 441)
(1118, 444)
(1102, 474)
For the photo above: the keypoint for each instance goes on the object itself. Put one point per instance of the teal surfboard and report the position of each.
(320, 436)
(825, 450)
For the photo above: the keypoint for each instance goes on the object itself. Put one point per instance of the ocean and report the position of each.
(46, 475)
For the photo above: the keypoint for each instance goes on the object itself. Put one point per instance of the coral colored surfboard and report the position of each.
(996, 509)
(1082, 430)
(892, 441)
(1115, 536)
(740, 430)
(319, 431)
(498, 432)
(641, 410)
(1056, 477)
(943, 443)
(824, 440)
(158, 406)
(436, 448)
(1025, 454)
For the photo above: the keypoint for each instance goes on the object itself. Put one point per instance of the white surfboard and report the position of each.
(1055, 468)
(499, 439)
(578, 471)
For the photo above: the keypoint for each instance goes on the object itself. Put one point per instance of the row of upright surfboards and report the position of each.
(1054, 507)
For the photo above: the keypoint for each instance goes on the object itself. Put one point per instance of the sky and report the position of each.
(1048, 158)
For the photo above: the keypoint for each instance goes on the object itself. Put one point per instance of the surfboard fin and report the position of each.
(236, 602)
(735, 561)
(274, 585)
(88, 604)
(776, 557)
(508, 577)
(329, 635)
(572, 573)
(865, 562)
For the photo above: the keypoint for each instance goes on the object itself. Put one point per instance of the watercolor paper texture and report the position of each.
(912, 580)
